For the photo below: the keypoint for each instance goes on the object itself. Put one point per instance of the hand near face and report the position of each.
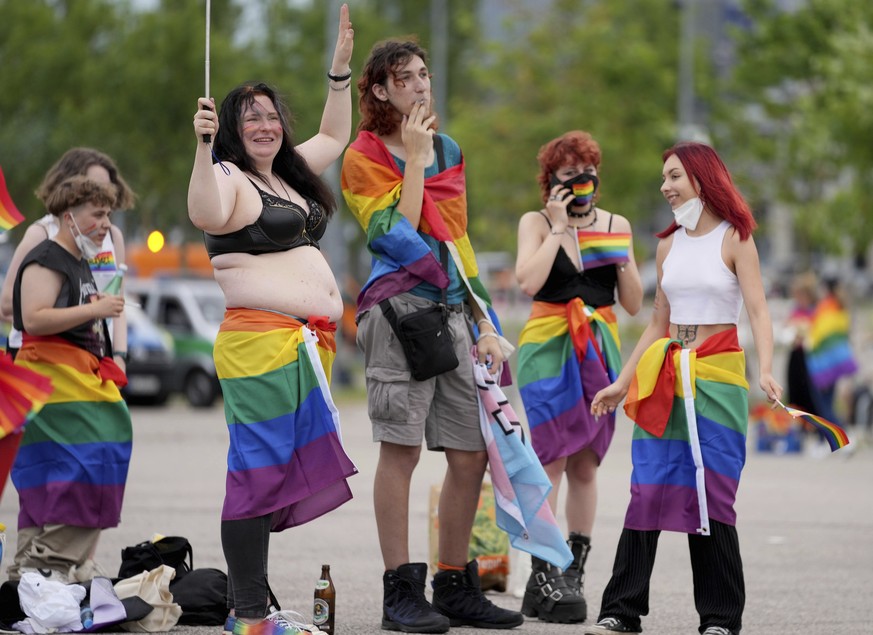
(417, 133)
(556, 207)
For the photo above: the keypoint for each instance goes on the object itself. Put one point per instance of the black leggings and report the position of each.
(246, 544)
(717, 570)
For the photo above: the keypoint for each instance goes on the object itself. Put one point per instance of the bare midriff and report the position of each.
(296, 282)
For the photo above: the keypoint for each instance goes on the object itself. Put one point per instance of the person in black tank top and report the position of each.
(572, 259)
(66, 495)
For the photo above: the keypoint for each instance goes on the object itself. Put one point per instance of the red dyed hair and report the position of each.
(380, 117)
(716, 188)
(576, 146)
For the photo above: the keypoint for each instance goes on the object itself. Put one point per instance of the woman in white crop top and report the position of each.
(689, 440)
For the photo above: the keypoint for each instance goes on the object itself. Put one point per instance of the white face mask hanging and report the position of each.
(87, 246)
(688, 214)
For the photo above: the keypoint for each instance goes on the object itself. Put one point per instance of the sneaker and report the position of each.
(717, 630)
(609, 625)
(404, 607)
(458, 596)
(277, 623)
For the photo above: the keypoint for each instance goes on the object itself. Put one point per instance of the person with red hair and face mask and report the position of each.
(687, 392)
(574, 258)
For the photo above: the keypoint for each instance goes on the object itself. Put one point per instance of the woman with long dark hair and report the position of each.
(263, 209)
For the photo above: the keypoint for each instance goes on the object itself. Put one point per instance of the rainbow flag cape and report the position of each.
(689, 443)
(286, 455)
(521, 486)
(9, 214)
(598, 249)
(567, 352)
(71, 468)
(401, 259)
(835, 435)
(830, 354)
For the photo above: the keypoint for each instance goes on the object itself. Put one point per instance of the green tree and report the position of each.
(808, 75)
(605, 67)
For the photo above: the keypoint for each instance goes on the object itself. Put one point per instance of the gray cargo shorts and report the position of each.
(444, 410)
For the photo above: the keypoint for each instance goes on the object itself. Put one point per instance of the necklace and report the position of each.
(593, 220)
(273, 190)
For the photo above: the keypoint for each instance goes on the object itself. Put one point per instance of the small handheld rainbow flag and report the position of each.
(9, 214)
(598, 249)
(835, 435)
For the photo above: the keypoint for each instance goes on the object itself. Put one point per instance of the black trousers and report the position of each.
(246, 545)
(717, 569)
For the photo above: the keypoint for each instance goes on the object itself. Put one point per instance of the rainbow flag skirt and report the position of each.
(286, 456)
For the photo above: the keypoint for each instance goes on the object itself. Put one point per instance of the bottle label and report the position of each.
(321, 585)
(320, 611)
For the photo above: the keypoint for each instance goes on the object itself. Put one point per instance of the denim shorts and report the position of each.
(444, 410)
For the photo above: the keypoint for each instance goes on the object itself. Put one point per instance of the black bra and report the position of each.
(282, 225)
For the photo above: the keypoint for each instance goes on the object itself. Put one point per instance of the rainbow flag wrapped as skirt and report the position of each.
(689, 444)
(71, 468)
(286, 455)
(521, 485)
(830, 356)
(567, 352)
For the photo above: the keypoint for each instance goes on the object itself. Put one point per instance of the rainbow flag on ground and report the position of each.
(521, 486)
(835, 435)
(286, 455)
(72, 465)
(9, 214)
(598, 249)
(830, 353)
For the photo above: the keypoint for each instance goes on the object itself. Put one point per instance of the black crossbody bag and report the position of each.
(424, 334)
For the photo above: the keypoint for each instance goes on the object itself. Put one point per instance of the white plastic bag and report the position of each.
(50, 605)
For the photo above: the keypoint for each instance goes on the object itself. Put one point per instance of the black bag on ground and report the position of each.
(173, 551)
(202, 594)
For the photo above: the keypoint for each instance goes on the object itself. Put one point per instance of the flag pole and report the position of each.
(207, 138)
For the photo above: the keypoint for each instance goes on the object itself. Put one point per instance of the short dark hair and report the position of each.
(288, 163)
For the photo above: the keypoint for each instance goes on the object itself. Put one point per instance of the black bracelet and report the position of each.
(339, 78)
(121, 354)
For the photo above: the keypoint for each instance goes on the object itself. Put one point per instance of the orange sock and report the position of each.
(442, 566)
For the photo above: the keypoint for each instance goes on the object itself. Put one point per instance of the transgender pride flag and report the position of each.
(521, 485)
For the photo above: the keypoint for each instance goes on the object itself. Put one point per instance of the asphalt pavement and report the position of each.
(805, 526)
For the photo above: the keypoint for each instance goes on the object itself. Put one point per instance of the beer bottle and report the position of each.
(325, 601)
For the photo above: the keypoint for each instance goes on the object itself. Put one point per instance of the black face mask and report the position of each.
(583, 186)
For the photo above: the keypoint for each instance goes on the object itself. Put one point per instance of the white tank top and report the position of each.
(697, 283)
(103, 268)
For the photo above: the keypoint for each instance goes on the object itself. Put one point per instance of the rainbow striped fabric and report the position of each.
(71, 468)
(598, 249)
(9, 214)
(830, 354)
(286, 455)
(521, 486)
(371, 184)
(567, 352)
(835, 435)
(23, 393)
(689, 443)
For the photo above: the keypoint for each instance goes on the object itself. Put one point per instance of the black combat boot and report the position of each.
(553, 595)
(404, 607)
(458, 596)
(580, 546)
